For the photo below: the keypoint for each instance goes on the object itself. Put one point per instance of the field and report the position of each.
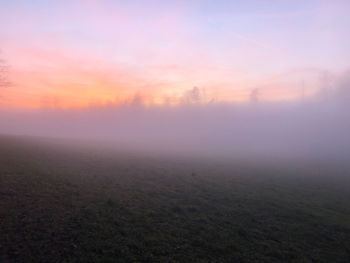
(68, 202)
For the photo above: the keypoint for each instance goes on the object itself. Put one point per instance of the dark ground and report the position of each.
(61, 203)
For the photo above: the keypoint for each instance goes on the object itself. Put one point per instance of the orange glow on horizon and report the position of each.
(60, 80)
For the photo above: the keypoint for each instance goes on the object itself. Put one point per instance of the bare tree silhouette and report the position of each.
(4, 68)
(254, 96)
(1, 72)
(193, 96)
(325, 84)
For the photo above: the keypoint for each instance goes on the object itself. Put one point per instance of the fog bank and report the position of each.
(316, 127)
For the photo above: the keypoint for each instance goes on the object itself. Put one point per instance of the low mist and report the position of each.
(314, 127)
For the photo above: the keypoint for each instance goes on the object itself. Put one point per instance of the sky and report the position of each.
(89, 53)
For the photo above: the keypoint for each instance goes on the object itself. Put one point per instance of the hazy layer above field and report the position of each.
(317, 128)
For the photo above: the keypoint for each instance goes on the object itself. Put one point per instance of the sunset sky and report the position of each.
(70, 54)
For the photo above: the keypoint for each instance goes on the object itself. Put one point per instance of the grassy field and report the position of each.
(66, 202)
